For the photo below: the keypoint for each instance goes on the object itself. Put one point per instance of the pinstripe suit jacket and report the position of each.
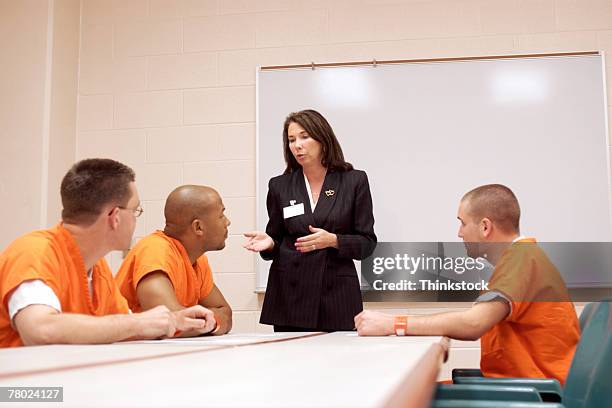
(318, 289)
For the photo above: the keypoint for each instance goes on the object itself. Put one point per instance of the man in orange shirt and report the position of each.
(526, 323)
(55, 286)
(169, 267)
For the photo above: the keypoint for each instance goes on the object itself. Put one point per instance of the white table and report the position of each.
(280, 370)
(20, 361)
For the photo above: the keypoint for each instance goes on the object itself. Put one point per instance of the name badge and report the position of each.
(293, 210)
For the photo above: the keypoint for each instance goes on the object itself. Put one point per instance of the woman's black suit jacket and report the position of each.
(318, 289)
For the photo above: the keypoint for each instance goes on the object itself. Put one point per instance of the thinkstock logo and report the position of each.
(457, 271)
(427, 268)
(427, 284)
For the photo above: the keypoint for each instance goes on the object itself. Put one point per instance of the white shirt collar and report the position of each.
(312, 202)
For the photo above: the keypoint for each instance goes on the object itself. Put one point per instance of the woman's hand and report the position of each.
(258, 241)
(319, 239)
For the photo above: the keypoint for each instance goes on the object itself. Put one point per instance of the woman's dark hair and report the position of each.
(319, 129)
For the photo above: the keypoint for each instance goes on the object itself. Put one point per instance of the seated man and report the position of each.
(169, 267)
(55, 286)
(521, 334)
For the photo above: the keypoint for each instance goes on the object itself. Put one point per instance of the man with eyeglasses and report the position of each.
(170, 268)
(56, 287)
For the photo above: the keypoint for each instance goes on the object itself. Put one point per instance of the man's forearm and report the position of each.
(469, 324)
(456, 325)
(69, 328)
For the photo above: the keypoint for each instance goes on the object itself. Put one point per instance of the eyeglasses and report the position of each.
(137, 211)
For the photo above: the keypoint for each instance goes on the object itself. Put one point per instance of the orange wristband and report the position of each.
(400, 324)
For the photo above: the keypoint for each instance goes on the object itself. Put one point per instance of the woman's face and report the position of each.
(304, 148)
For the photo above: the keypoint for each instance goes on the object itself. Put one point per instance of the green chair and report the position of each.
(585, 385)
(491, 404)
(585, 316)
(487, 392)
(592, 388)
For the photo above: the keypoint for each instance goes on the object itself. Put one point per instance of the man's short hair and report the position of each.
(92, 184)
(496, 202)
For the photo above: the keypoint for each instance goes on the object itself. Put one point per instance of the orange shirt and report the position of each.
(53, 256)
(539, 337)
(159, 252)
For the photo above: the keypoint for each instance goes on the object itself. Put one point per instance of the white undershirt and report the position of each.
(37, 292)
(312, 202)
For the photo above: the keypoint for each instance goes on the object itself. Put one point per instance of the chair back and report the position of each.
(586, 315)
(581, 386)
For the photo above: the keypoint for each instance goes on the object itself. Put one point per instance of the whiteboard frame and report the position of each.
(259, 201)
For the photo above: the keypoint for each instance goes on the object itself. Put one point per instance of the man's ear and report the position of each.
(198, 227)
(113, 218)
(486, 227)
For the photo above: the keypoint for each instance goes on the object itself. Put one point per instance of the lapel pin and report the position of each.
(291, 202)
(329, 193)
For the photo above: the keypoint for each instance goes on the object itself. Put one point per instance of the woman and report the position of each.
(320, 219)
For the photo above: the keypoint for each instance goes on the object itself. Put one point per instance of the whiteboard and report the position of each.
(428, 132)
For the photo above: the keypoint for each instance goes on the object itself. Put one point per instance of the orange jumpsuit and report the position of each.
(54, 257)
(539, 337)
(159, 252)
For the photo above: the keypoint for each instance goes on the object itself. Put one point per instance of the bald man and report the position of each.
(521, 335)
(169, 267)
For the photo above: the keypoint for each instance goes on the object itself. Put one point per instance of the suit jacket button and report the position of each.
(329, 287)
(293, 284)
(295, 263)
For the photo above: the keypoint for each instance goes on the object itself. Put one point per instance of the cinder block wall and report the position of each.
(168, 86)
